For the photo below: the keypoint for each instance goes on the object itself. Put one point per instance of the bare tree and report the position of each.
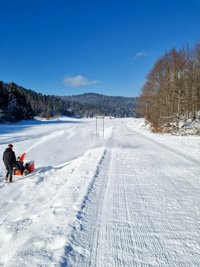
(172, 89)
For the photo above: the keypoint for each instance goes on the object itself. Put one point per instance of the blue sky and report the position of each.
(108, 47)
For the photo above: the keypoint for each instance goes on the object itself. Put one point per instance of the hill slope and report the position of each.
(117, 106)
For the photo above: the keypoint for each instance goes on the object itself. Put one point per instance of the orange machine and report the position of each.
(23, 167)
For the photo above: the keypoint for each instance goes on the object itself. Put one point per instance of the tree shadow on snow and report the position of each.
(20, 126)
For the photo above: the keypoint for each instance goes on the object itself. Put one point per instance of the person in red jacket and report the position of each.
(9, 160)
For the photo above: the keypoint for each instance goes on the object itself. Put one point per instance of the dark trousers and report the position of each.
(9, 169)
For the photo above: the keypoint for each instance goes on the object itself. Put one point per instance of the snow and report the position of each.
(131, 198)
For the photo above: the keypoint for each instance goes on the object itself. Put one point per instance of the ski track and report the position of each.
(131, 217)
(132, 202)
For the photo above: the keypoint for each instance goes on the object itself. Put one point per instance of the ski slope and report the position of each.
(131, 198)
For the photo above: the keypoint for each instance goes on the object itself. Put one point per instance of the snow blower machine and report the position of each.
(23, 167)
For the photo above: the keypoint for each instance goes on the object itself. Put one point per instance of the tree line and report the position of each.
(172, 89)
(18, 103)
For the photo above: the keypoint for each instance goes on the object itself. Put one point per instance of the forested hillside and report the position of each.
(171, 93)
(13, 104)
(18, 103)
(116, 106)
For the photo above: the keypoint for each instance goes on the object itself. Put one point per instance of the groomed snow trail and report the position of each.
(132, 199)
(142, 210)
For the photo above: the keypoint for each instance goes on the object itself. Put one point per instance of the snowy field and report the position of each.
(131, 198)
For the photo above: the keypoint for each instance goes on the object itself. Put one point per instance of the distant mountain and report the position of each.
(18, 103)
(94, 99)
(117, 106)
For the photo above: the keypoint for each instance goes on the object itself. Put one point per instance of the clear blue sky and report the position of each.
(72, 47)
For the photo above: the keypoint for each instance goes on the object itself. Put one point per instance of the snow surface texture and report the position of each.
(130, 199)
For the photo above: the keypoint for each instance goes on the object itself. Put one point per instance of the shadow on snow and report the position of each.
(20, 126)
